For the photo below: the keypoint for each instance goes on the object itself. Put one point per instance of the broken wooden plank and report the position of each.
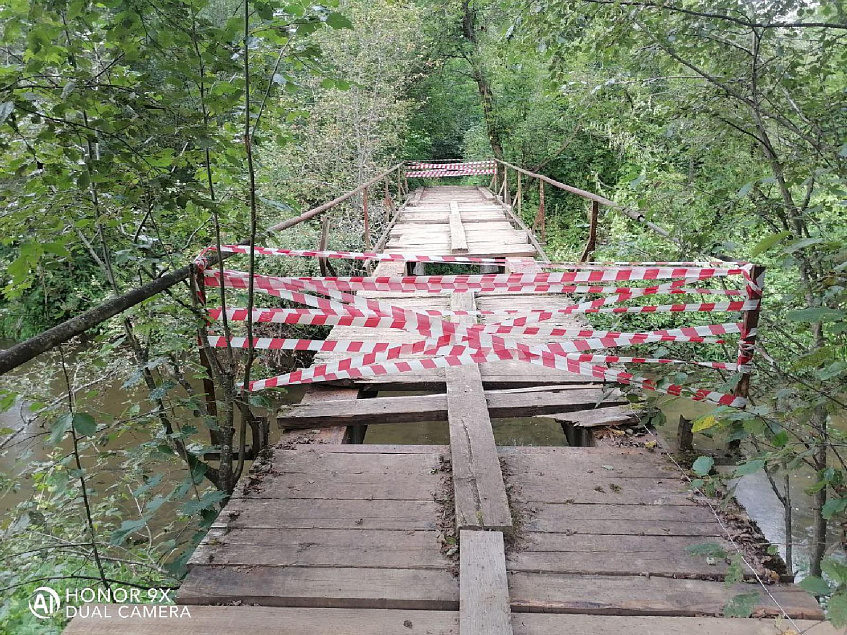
(483, 587)
(458, 239)
(263, 620)
(616, 416)
(479, 491)
(434, 407)
(317, 394)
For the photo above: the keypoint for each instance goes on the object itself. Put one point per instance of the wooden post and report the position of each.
(389, 202)
(322, 262)
(506, 197)
(540, 220)
(366, 219)
(495, 179)
(747, 339)
(591, 243)
(749, 326)
(519, 195)
(684, 435)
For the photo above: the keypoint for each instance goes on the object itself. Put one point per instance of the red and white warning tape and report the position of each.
(443, 343)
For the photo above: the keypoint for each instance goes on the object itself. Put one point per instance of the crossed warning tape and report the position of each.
(333, 301)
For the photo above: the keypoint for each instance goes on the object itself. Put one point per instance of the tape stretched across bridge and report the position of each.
(447, 169)
(334, 301)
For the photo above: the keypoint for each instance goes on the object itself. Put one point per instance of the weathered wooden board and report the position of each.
(618, 415)
(330, 587)
(319, 394)
(645, 520)
(316, 460)
(261, 620)
(458, 239)
(617, 555)
(284, 547)
(624, 595)
(434, 408)
(553, 624)
(483, 589)
(261, 513)
(364, 486)
(478, 488)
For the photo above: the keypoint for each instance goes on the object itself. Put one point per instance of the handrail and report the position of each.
(340, 199)
(23, 352)
(633, 214)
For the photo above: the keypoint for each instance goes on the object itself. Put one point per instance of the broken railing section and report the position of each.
(445, 342)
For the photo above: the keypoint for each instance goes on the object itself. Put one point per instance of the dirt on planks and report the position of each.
(448, 536)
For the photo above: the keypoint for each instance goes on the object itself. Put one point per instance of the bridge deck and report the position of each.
(470, 537)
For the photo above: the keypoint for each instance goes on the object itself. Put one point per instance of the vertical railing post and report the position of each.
(591, 243)
(506, 198)
(366, 219)
(494, 180)
(749, 328)
(389, 202)
(540, 221)
(519, 195)
(322, 263)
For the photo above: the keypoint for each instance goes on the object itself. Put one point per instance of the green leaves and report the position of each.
(84, 424)
(767, 242)
(703, 465)
(6, 109)
(815, 585)
(741, 605)
(337, 20)
(750, 467)
(816, 314)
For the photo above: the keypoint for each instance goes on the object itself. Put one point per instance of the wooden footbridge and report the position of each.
(332, 534)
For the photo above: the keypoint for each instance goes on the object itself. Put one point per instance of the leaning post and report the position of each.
(755, 275)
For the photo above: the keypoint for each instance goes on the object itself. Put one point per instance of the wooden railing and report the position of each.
(23, 352)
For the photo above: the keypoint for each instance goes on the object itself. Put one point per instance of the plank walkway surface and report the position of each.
(332, 535)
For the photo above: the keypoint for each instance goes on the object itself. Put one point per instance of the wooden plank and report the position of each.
(619, 415)
(317, 460)
(556, 624)
(617, 555)
(483, 587)
(261, 620)
(434, 407)
(317, 394)
(458, 240)
(406, 515)
(365, 486)
(617, 520)
(388, 549)
(478, 488)
(322, 587)
(623, 595)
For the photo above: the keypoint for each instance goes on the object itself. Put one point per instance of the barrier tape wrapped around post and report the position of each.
(333, 301)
